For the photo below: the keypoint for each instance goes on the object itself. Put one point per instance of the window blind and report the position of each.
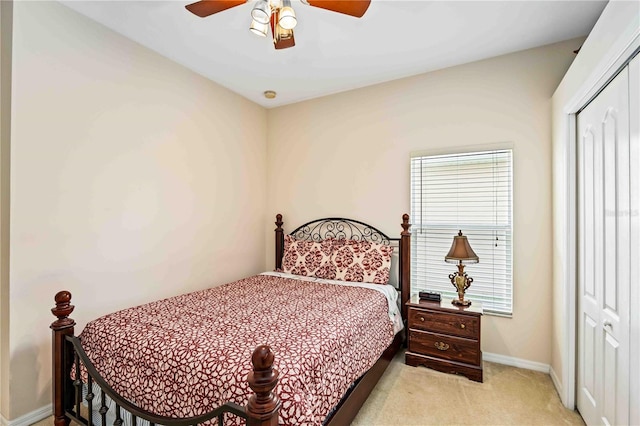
(471, 192)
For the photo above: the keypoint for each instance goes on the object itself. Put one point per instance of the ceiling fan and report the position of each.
(277, 14)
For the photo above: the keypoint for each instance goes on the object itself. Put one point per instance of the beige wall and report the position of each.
(348, 155)
(6, 24)
(132, 179)
(617, 31)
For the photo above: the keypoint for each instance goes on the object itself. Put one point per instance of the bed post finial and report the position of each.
(61, 358)
(279, 241)
(263, 405)
(405, 255)
(62, 310)
(405, 224)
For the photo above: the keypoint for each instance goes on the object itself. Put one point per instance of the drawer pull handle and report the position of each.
(422, 319)
(441, 346)
(463, 326)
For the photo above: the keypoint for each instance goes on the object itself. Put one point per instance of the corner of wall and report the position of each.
(6, 39)
(556, 381)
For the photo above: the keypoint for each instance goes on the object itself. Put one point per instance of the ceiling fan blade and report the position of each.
(355, 8)
(205, 8)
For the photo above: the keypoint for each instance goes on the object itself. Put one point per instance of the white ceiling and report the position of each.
(336, 52)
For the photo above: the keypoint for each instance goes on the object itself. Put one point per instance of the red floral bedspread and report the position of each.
(186, 355)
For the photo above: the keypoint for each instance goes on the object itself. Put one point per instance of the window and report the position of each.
(471, 192)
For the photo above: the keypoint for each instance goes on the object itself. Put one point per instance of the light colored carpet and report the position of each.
(419, 396)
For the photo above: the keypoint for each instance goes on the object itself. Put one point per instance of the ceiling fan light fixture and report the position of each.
(259, 29)
(277, 16)
(261, 12)
(280, 34)
(287, 16)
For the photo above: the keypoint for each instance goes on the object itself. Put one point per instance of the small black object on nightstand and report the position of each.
(429, 295)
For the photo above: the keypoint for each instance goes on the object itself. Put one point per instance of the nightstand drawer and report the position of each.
(459, 325)
(445, 347)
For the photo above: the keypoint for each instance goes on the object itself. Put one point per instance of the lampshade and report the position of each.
(461, 251)
(261, 12)
(286, 16)
(259, 29)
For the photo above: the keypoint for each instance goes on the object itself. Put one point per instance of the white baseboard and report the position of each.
(516, 362)
(30, 418)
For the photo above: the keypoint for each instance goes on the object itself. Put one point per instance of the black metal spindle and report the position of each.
(134, 420)
(89, 399)
(118, 421)
(103, 407)
(78, 385)
(220, 419)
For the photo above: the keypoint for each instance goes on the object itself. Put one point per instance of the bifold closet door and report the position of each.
(604, 255)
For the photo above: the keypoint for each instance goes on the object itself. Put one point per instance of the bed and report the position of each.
(275, 348)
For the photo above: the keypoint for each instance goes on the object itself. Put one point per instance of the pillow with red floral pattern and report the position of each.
(308, 258)
(362, 261)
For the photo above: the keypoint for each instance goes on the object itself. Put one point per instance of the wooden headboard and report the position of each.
(350, 229)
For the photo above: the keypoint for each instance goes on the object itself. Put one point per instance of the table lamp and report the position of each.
(462, 254)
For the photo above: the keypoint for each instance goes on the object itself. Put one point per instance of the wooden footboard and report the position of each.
(69, 358)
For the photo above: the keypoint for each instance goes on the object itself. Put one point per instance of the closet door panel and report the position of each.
(634, 233)
(604, 255)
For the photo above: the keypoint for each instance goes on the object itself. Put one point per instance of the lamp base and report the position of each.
(461, 302)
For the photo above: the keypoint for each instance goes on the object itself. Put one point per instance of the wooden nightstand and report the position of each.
(445, 337)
